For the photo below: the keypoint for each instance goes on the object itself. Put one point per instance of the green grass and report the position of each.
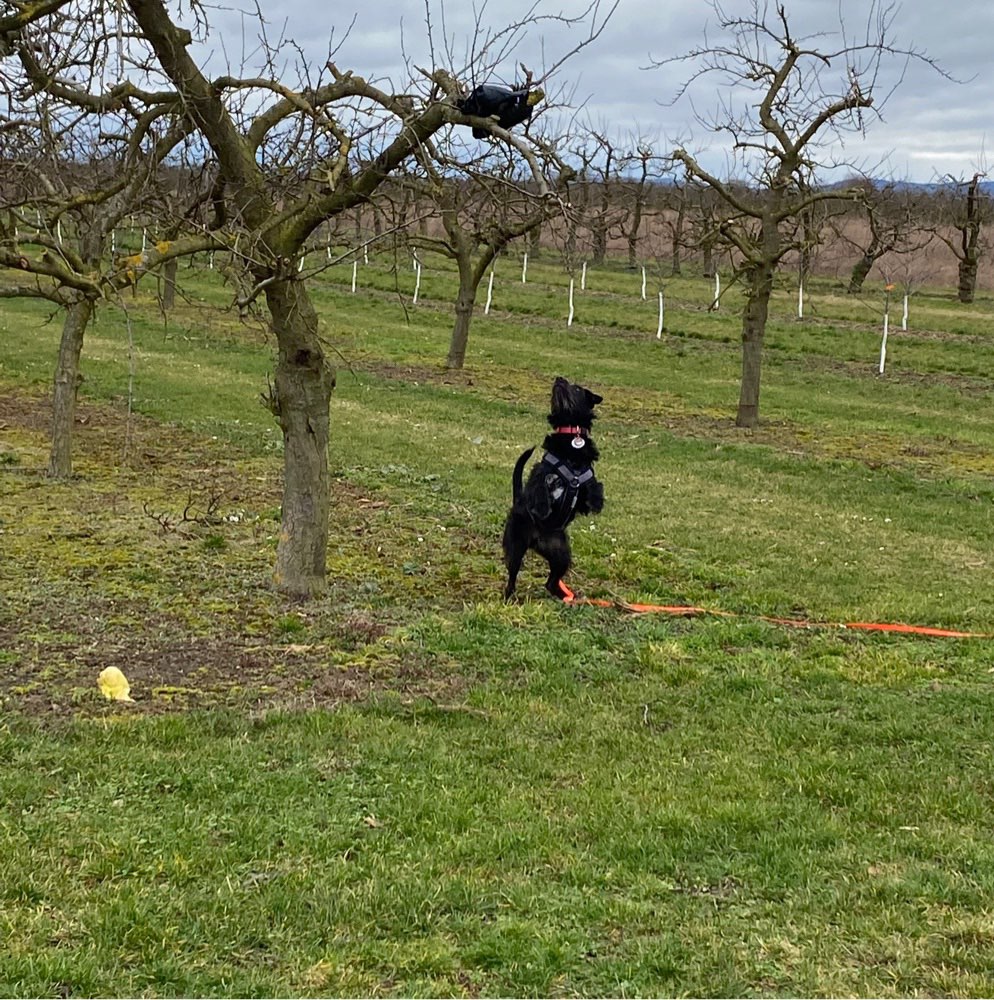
(411, 788)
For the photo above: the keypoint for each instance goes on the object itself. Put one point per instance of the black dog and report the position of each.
(561, 486)
(510, 107)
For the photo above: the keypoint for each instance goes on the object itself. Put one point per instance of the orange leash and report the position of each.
(685, 611)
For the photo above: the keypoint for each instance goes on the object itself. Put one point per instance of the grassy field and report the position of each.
(412, 788)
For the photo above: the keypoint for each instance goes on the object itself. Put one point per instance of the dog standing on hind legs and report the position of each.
(559, 487)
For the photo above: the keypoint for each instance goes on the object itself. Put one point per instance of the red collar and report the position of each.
(570, 430)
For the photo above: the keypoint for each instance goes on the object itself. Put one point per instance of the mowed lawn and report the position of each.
(409, 787)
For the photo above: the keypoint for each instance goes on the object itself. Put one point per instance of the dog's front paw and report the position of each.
(595, 499)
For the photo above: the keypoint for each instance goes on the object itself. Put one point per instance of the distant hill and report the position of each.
(986, 187)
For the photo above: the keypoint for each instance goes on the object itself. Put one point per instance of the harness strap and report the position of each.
(571, 478)
(565, 498)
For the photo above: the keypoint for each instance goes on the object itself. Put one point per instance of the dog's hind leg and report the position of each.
(515, 546)
(555, 548)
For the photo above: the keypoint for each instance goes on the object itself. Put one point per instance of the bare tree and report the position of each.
(777, 139)
(694, 219)
(73, 164)
(893, 226)
(676, 216)
(484, 205)
(968, 220)
(636, 192)
(606, 214)
(596, 202)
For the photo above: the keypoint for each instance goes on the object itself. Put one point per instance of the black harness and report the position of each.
(563, 483)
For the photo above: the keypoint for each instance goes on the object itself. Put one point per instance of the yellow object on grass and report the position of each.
(114, 685)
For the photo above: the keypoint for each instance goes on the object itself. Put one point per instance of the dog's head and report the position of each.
(572, 404)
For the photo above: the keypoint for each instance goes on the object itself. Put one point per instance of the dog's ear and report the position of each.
(592, 398)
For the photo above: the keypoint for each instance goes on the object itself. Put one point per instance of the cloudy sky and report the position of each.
(924, 125)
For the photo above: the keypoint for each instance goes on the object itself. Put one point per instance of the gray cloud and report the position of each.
(928, 125)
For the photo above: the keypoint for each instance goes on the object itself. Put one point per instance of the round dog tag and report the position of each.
(578, 442)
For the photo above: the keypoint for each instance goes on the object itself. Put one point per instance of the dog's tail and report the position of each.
(519, 469)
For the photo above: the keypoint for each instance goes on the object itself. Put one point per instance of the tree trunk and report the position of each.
(598, 234)
(169, 283)
(809, 240)
(675, 264)
(638, 206)
(633, 236)
(677, 243)
(465, 301)
(571, 239)
(967, 278)
(753, 329)
(707, 248)
(301, 403)
(969, 260)
(535, 240)
(859, 272)
(67, 382)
